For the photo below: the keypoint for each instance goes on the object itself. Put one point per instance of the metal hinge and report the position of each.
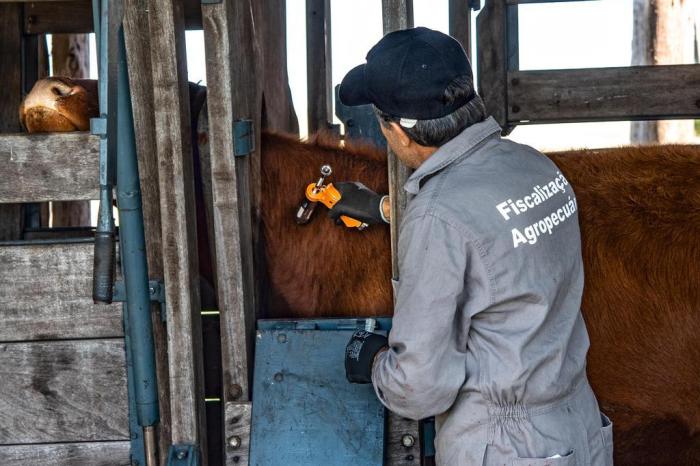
(243, 138)
(156, 293)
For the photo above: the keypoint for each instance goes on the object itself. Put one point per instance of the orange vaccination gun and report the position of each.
(327, 195)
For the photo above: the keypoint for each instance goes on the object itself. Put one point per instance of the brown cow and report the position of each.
(639, 212)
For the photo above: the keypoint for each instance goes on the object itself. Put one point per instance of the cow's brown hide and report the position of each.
(320, 269)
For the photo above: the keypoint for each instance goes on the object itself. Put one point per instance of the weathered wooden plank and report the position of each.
(46, 293)
(237, 433)
(136, 37)
(10, 98)
(318, 64)
(176, 184)
(75, 17)
(398, 14)
(460, 18)
(594, 94)
(67, 454)
(44, 167)
(224, 24)
(491, 61)
(63, 391)
(271, 30)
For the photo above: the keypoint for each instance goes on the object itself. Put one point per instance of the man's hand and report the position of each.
(360, 353)
(359, 202)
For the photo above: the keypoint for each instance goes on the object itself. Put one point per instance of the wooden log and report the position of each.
(75, 17)
(63, 391)
(51, 166)
(136, 36)
(597, 94)
(10, 98)
(319, 65)
(46, 294)
(67, 454)
(176, 184)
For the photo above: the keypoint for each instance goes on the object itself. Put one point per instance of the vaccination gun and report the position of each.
(326, 194)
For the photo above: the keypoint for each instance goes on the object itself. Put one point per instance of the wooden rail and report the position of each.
(49, 167)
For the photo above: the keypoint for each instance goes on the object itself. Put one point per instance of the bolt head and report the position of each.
(408, 440)
(282, 338)
(234, 442)
(181, 455)
(279, 377)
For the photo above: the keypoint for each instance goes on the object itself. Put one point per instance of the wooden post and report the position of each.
(398, 14)
(318, 64)
(234, 93)
(271, 26)
(10, 98)
(461, 24)
(176, 184)
(71, 58)
(664, 34)
(136, 35)
(492, 59)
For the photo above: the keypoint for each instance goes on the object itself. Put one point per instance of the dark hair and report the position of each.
(436, 132)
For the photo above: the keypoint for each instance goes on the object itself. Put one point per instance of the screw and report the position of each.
(279, 377)
(515, 108)
(181, 455)
(235, 392)
(234, 442)
(515, 81)
(282, 338)
(408, 441)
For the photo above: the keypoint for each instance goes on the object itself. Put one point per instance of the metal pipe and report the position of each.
(103, 269)
(150, 445)
(133, 253)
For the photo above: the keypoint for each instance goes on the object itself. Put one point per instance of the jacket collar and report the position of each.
(454, 149)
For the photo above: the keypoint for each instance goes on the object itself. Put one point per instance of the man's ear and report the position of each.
(400, 134)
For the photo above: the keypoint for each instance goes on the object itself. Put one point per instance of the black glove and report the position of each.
(359, 202)
(360, 353)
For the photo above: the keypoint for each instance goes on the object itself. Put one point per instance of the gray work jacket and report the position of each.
(487, 334)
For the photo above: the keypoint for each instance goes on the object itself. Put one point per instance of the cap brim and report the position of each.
(353, 88)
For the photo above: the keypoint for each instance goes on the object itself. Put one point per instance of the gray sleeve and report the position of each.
(422, 372)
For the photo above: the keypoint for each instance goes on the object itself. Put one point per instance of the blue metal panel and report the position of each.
(304, 410)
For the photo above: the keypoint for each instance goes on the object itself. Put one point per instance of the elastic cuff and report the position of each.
(381, 208)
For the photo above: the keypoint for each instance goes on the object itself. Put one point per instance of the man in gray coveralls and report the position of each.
(487, 334)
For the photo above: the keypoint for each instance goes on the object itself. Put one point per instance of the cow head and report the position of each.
(60, 104)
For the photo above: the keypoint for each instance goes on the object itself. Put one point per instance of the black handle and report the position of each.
(103, 270)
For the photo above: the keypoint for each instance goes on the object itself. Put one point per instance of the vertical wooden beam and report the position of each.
(460, 17)
(234, 93)
(663, 34)
(492, 54)
(398, 14)
(176, 183)
(278, 113)
(10, 98)
(318, 64)
(136, 35)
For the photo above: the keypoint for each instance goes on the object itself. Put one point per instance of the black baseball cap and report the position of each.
(406, 75)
